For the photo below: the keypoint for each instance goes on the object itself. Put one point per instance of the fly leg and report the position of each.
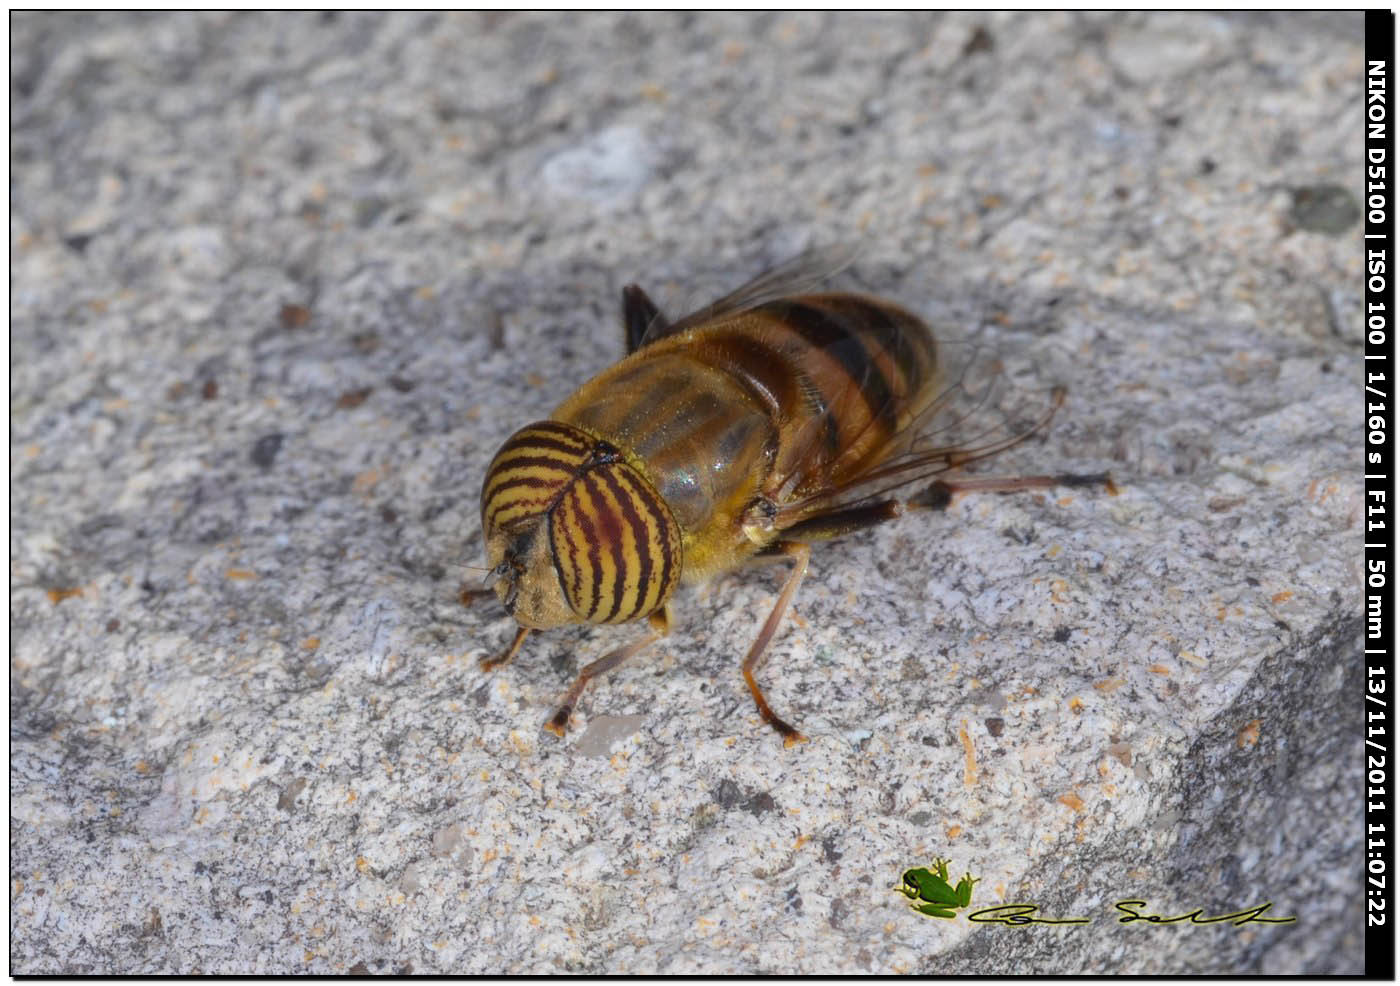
(660, 626)
(846, 521)
(836, 523)
(940, 494)
(799, 554)
(506, 656)
(824, 527)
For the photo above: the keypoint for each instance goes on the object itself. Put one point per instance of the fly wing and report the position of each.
(976, 412)
(797, 276)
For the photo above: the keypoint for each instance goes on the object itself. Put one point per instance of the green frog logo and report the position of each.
(930, 893)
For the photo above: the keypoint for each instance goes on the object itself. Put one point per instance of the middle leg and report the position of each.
(799, 553)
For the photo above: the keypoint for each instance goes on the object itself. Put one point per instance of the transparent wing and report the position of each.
(800, 275)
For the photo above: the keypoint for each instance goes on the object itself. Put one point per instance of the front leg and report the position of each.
(506, 656)
(558, 723)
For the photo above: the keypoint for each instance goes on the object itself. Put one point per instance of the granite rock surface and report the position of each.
(281, 285)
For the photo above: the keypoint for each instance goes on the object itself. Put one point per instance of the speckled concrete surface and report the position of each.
(281, 285)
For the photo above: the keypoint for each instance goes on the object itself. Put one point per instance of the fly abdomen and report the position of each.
(842, 375)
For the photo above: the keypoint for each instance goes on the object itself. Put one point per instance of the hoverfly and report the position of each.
(770, 419)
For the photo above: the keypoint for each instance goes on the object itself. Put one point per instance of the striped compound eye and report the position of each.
(585, 537)
(615, 545)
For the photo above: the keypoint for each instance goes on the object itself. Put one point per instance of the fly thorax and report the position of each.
(574, 533)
